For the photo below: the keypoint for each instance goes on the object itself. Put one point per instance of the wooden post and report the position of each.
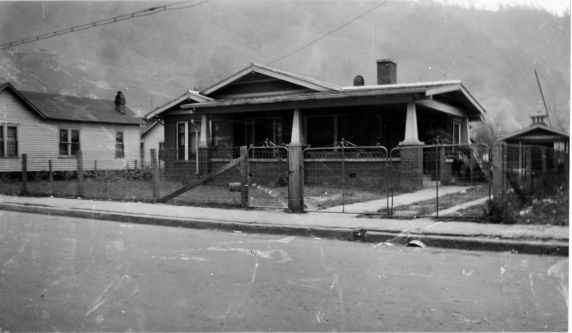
(95, 169)
(244, 176)
(543, 156)
(24, 177)
(498, 176)
(50, 171)
(80, 185)
(155, 167)
(295, 178)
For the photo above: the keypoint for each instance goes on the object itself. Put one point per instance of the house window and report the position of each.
(8, 141)
(119, 145)
(69, 142)
(456, 132)
(187, 140)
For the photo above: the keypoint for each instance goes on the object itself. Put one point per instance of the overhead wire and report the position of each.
(329, 33)
(82, 27)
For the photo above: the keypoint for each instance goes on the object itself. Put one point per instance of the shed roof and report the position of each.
(80, 109)
(536, 132)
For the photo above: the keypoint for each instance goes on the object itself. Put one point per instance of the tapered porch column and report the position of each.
(296, 166)
(411, 155)
(465, 137)
(203, 139)
(203, 162)
(411, 136)
(296, 138)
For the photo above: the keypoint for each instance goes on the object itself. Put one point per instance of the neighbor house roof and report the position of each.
(79, 109)
(531, 133)
(8, 86)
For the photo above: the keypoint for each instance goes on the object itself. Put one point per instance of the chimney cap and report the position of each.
(385, 60)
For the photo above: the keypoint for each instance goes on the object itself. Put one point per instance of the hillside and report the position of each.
(158, 57)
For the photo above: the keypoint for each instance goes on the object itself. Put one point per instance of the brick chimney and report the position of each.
(386, 72)
(120, 102)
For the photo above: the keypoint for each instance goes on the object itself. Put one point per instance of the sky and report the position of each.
(555, 7)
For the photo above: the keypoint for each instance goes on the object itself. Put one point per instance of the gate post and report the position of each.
(24, 176)
(80, 184)
(295, 178)
(155, 175)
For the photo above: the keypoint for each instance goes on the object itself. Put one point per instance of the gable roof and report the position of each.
(536, 127)
(453, 90)
(149, 127)
(273, 73)
(80, 109)
(8, 86)
(189, 95)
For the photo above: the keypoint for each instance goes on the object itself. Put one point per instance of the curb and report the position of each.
(549, 247)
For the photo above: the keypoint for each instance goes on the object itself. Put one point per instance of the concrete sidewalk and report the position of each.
(538, 239)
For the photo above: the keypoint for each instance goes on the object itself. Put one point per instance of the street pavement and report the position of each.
(543, 239)
(73, 274)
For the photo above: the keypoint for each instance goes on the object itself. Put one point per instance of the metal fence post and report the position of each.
(24, 177)
(80, 184)
(437, 177)
(155, 168)
(244, 176)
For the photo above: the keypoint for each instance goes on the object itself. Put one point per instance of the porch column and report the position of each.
(203, 139)
(411, 158)
(411, 136)
(296, 138)
(465, 136)
(203, 160)
(296, 166)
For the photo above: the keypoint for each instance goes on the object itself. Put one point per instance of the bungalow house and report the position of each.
(260, 105)
(51, 129)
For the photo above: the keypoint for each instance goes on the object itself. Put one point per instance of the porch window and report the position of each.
(69, 142)
(119, 145)
(187, 133)
(8, 141)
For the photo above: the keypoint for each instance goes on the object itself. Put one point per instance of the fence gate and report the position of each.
(268, 176)
(441, 180)
(346, 179)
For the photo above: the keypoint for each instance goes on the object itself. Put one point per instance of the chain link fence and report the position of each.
(346, 179)
(442, 180)
(268, 176)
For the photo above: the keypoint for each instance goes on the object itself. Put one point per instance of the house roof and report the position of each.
(452, 91)
(272, 72)
(449, 89)
(11, 88)
(150, 127)
(190, 96)
(79, 109)
(531, 133)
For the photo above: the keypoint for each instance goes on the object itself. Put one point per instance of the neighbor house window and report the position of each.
(69, 142)
(187, 139)
(119, 145)
(8, 141)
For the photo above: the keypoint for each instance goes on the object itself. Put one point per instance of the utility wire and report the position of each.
(141, 13)
(327, 34)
